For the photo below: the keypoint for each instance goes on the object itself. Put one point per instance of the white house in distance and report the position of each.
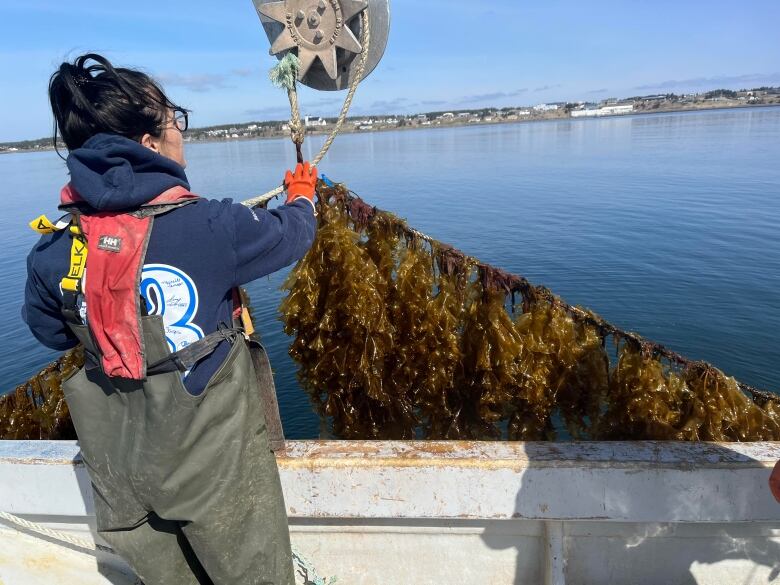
(317, 122)
(615, 110)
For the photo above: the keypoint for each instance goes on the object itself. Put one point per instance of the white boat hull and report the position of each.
(485, 513)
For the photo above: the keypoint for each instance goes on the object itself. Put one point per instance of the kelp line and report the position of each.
(398, 336)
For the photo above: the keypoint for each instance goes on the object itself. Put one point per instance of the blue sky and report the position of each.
(212, 56)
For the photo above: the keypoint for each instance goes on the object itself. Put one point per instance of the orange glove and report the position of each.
(301, 183)
(774, 482)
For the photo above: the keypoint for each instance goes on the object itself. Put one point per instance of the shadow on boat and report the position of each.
(709, 520)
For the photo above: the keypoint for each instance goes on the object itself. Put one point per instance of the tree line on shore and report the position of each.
(764, 95)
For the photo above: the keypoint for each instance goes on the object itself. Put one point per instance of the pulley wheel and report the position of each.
(326, 35)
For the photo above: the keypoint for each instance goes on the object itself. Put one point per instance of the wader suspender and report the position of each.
(184, 359)
(71, 282)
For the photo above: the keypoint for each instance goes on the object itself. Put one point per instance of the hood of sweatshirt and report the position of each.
(113, 173)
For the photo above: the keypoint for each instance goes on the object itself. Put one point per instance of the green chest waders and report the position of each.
(186, 487)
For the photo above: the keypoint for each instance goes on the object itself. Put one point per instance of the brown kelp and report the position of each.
(491, 376)
(649, 399)
(337, 312)
(716, 410)
(398, 336)
(564, 366)
(37, 408)
(645, 399)
(450, 359)
(416, 334)
(435, 354)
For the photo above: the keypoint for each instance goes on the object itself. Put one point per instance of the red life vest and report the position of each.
(116, 246)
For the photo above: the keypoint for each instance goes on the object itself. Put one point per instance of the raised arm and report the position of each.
(265, 241)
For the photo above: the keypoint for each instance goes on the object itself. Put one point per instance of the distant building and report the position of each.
(546, 107)
(603, 111)
(312, 122)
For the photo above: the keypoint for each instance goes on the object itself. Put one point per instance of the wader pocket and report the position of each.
(222, 372)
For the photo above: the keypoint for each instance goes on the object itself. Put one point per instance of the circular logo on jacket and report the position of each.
(171, 293)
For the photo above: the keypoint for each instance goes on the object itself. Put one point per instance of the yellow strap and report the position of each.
(246, 321)
(78, 261)
(43, 225)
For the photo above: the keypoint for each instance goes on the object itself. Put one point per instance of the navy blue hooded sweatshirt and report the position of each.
(196, 255)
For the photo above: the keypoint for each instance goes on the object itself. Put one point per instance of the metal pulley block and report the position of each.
(326, 36)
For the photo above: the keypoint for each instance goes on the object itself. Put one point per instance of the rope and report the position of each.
(293, 96)
(297, 131)
(304, 567)
(284, 76)
(361, 68)
(40, 529)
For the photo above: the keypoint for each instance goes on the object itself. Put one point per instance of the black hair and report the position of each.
(89, 98)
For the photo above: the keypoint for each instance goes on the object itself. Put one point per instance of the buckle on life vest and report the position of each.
(43, 225)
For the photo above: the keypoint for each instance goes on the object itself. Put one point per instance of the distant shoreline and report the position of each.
(352, 129)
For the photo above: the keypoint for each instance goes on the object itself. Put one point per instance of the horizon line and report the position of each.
(483, 108)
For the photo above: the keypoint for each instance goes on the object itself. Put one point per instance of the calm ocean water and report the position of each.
(664, 224)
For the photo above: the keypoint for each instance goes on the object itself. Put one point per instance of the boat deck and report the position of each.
(455, 512)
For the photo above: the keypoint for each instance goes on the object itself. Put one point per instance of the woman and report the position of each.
(166, 408)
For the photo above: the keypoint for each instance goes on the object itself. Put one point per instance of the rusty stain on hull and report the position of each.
(521, 455)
